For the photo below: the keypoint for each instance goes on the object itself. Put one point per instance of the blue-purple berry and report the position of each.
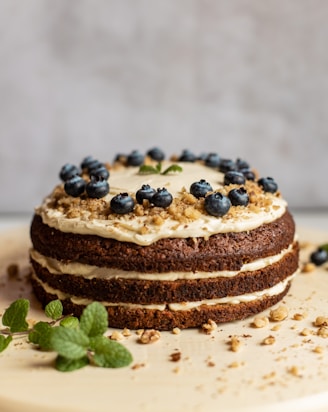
(97, 187)
(145, 193)
(122, 203)
(162, 198)
(187, 156)
(200, 189)
(239, 197)
(268, 184)
(216, 204)
(227, 165)
(234, 177)
(135, 158)
(75, 186)
(156, 154)
(212, 160)
(68, 171)
(319, 256)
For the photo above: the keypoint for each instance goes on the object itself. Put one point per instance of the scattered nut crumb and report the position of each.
(294, 370)
(323, 331)
(279, 314)
(149, 336)
(176, 331)
(318, 349)
(175, 356)
(126, 332)
(235, 344)
(260, 322)
(116, 335)
(299, 316)
(138, 366)
(209, 327)
(275, 328)
(13, 270)
(139, 332)
(308, 267)
(321, 321)
(306, 332)
(269, 340)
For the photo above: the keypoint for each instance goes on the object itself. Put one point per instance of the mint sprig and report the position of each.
(149, 169)
(78, 342)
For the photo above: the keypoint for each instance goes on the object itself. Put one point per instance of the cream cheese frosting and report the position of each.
(127, 229)
(234, 300)
(58, 268)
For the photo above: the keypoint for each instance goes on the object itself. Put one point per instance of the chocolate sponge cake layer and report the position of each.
(124, 290)
(223, 251)
(137, 318)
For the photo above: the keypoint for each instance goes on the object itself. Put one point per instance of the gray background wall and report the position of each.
(242, 78)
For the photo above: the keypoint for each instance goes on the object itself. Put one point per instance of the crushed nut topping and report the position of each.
(149, 336)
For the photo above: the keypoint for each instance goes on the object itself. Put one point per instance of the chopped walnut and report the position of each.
(318, 349)
(235, 344)
(321, 321)
(126, 332)
(149, 336)
(323, 331)
(116, 335)
(260, 322)
(176, 331)
(175, 356)
(279, 314)
(299, 316)
(306, 332)
(209, 327)
(269, 340)
(294, 370)
(308, 267)
(13, 270)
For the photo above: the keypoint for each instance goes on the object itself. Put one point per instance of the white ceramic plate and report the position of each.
(291, 374)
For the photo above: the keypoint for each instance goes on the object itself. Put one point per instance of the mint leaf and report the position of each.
(68, 365)
(109, 353)
(172, 169)
(324, 247)
(94, 319)
(4, 342)
(70, 322)
(69, 343)
(147, 170)
(54, 309)
(15, 316)
(41, 335)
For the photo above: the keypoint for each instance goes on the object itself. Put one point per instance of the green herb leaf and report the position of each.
(70, 322)
(4, 342)
(324, 247)
(41, 335)
(94, 320)
(54, 309)
(68, 365)
(15, 316)
(69, 343)
(172, 169)
(148, 169)
(109, 353)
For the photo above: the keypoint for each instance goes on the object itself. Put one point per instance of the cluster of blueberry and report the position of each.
(216, 204)
(320, 256)
(75, 185)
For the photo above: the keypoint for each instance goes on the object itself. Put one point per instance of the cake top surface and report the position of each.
(179, 212)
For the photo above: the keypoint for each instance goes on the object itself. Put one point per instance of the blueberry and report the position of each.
(216, 204)
(162, 198)
(233, 177)
(100, 171)
(226, 165)
(97, 187)
(94, 164)
(146, 192)
(86, 162)
(68, 171)
(200, 189)
(135, 158)
(319, 257)
(268, 184)
(242, 164)
(75, 186)
(212, 160)
(248, 173)
(187, 156)
(156, 154)
(122, 203)
(239, 197)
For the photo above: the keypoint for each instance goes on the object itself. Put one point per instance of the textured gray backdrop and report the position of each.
(242, 78)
